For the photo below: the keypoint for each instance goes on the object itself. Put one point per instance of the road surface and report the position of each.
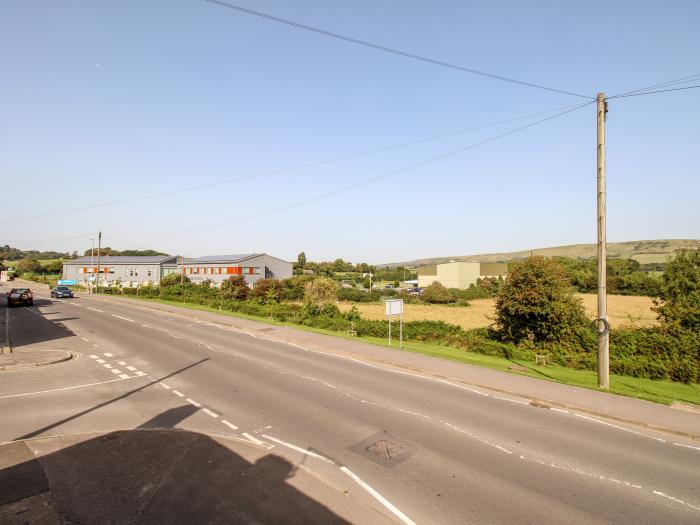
(417, 448)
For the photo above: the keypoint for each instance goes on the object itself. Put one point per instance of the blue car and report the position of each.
(61, 291)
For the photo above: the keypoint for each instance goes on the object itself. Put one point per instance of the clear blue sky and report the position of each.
(105, 100)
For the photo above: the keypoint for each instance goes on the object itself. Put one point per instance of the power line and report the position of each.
(390, 50)
(681, 80)
(276, 171)
(652, 92)
(365, 182)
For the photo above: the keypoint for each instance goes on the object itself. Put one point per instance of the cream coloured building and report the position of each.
(458, 274)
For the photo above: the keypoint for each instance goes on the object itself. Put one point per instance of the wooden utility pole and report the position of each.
(602, 321)
(182, 274)
(97, 277)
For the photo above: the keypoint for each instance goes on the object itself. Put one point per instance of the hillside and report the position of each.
(646, 252)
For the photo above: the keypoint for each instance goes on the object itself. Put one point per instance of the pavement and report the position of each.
(144, 476)
(403, 442)
(682, 421)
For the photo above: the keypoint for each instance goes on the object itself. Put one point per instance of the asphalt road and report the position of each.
(418, 449)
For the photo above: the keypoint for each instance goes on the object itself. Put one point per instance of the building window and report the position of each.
(150, 271)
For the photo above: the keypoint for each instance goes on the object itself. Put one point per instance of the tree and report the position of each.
(173, 278)
(55, 266)
(235, 288)
(679, 300)
(437, 293)
(320, 291)
(268, 290)
(301, 260)
(29, 266)
(536, 302)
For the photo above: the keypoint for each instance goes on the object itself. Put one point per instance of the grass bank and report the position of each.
(658, 391)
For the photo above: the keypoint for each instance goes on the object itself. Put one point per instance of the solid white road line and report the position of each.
(125, 318)
(620, 428)
(559, 410)
(193, 402)
(686, 446)
(256, 440)
(299, 449)
(94, 309)
(381, 499)
(209, 412)
(165, 386)
(60, 389)
(229, 425)
(177, 393)
(107, 354)
(132, 368)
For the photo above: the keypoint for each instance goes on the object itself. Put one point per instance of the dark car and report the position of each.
(61, 291)
(22, 296)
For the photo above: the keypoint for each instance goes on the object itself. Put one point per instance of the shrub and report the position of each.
(320, 291)
(268, 290)
(235, 288)
(437, 293)
(293, 288)
(173, 279)
(28, 266)
(356, 295)
(535, 303)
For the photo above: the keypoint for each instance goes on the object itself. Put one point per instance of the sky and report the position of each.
(103, 101)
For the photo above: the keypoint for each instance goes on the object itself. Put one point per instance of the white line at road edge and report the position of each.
(94, 309)
(65, 388)
(381, 499)
(619, 427)
(125, 318)
(256, 441)
(686, 446)
(299, 449)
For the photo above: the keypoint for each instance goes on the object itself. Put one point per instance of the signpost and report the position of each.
(395, 307)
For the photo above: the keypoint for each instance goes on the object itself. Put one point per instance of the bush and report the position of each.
(357, 296)
(235, 288)
(268, 290)
(173, 279)
(437, 293)
(320, 291)
(28, 266)
(536, 303)
(293, 288)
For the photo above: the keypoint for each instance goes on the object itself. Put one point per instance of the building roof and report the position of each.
(122, 259)
(221, 258)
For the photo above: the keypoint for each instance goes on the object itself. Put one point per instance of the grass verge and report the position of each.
(658, 391)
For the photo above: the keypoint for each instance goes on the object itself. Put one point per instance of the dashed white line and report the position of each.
(672, 498)
(193, 402)
(620, 428)
(85, 339)
(167, 387)
(92, 356)
(210, 412)
(124, 376)
(299, 449)
(177, 393)
(376, 495)
(139, 373)
(132, 368)
(94, 309)
(229, 425)
(123, 363)
(101, 361)
(518, 401)
(107, 365)
(115, 371)
(107, 354)
(96, 346)
(124, 318)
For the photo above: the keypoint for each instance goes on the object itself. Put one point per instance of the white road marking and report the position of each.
(94, 309)
(139, 373)
(85, 339)
(193, 402)
(107, 365)
(180, 394)
(376, 495)
(209, 412)
(124, 376)
(256, 441)
(165, 386)
(132, 368)
(664, 495)
(686, 446)
(511, 400)
(229, 425)
(101, 361)
(96, 346)
(125, 318)
(107, 354)
(60, 389)
(115, 371)
(620, 428)
(559, 410)
(92, 356)
(299, 449)
(123, 363)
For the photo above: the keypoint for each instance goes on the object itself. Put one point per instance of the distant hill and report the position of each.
(645, 252)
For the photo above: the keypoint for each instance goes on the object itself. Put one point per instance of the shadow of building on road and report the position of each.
(150, 476)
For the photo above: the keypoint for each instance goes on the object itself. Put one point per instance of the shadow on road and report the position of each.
(151, 476)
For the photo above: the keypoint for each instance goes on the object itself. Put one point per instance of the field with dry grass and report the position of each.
(622, 311)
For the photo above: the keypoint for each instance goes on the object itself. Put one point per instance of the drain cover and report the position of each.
(384, 449)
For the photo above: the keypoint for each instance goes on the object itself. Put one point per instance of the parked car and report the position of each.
(21, 296)
(61, 291)
(415, 291)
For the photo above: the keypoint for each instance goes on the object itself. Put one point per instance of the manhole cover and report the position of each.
(384, 449)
